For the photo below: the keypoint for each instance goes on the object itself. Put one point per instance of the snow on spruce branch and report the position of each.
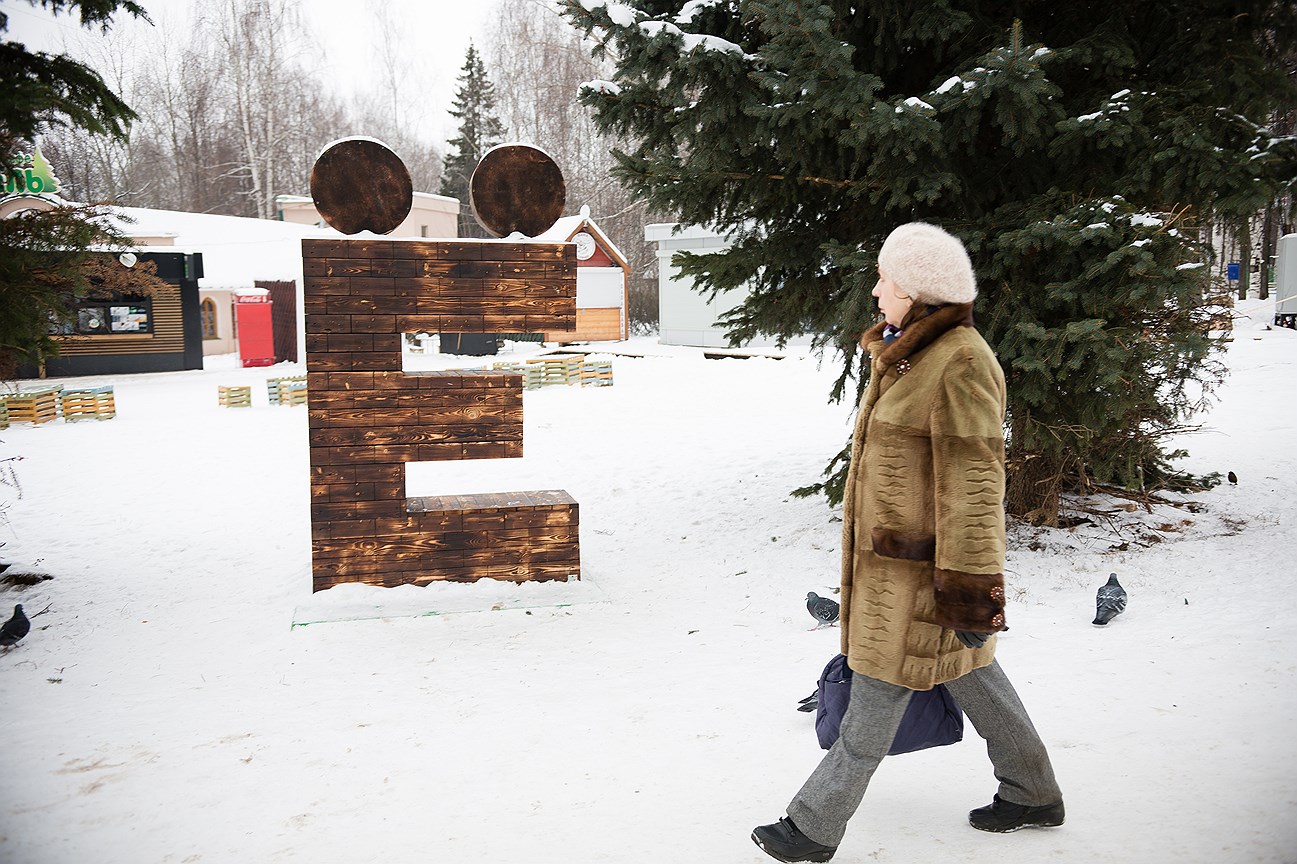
(916, 103)
(692, 8)
(621, 14)
(1113, 105)
(607, 88)
(691, 41)
(625, 16)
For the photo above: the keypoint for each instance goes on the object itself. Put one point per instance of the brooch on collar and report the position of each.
(902, 366)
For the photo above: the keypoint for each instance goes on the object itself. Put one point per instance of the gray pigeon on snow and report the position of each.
(822, 609)
(1110, 602)
(15, 628)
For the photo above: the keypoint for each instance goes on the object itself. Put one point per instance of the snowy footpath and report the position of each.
(184, 697)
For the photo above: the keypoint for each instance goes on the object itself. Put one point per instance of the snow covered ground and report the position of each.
(165, 707)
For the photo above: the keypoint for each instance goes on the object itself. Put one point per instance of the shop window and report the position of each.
(129, 316)
(207, 313)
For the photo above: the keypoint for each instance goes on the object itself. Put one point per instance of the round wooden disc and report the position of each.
(517, 187)
(359, 184)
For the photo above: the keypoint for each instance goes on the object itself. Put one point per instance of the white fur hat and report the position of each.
(929, 264)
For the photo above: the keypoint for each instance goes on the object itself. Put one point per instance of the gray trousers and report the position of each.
(835, 789)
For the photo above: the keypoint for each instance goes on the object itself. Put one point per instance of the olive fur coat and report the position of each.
(923, 511)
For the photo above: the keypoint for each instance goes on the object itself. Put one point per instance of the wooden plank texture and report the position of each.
(367, 417)
(359, 184)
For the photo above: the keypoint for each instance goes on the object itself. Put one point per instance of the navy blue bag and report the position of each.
(932, 719)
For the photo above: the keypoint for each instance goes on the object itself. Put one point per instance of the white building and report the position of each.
(433, 216)
(686, 316)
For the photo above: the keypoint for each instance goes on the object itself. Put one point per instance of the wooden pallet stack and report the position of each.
(367, 417)
(596, 373)
(286, 390)
(293, 393)
(554, 369)
(4, 414)
(33, 406)
(88, 403)
(234, 397)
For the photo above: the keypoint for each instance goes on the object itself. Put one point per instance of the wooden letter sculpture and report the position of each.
(368, 417)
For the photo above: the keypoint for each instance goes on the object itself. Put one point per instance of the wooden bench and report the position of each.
(84, 403)
(235, 397)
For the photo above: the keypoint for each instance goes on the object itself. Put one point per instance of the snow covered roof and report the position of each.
(307, 199)
(236, 250)
(567, 227)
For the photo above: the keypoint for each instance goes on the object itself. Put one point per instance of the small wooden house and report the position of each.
(602, 281)
(126, 332)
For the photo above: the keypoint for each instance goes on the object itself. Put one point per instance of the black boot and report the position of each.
(1004, 816)
(783, 842)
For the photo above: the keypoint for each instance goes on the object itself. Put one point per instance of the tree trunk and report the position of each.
(1244, 257)
(1034, 480)
(1033, 486)
(1268, 240)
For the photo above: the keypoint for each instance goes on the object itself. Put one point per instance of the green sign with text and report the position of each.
(30, 174)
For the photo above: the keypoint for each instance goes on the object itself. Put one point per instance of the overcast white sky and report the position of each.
(435, 34)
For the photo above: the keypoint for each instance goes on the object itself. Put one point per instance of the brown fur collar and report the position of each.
(918, 334)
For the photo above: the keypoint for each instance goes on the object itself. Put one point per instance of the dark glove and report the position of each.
(972, 640)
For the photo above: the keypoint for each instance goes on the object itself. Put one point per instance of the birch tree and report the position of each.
(253, 34)
(392, 110)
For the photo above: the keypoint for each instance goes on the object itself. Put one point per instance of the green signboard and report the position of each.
(30, 174)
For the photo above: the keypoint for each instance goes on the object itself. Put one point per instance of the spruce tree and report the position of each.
(44, 91)
(44, 255)
(479, 131)
(1077, 148)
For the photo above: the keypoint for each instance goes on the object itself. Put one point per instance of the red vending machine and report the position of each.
(256, 335)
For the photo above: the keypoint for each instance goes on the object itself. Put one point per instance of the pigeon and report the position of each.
(1110, 602)
(1233, 478)
(15, 628)
(822, 609)
(810, 703)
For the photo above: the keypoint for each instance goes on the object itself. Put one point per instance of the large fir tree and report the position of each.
(45, 261)
(479, 130)
(44, 91)
(1077, 148)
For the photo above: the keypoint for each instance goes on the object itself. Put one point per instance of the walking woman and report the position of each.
(923, 552)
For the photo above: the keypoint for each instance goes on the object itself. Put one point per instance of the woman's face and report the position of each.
(892, 301)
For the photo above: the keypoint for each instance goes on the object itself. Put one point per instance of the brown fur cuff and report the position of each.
(969, 601)
(908, 547)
